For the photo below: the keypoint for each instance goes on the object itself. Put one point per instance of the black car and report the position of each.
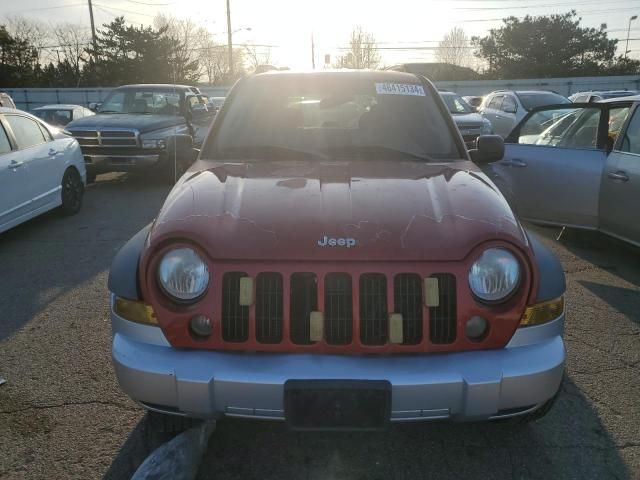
(140, 127)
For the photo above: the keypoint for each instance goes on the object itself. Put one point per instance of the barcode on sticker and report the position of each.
(400, 89)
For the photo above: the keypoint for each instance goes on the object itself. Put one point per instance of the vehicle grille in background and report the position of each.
(442, 319)
(269, 307)
(373, 309)
(106, 138)
(235, 318)
(338, 308)
(407, 292)
(304, 300)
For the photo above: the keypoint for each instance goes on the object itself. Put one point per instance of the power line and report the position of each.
(151, 4)
(124, 10)
(44, 8)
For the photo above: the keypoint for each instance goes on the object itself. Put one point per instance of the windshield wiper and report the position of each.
(377, 150)
(270, 151)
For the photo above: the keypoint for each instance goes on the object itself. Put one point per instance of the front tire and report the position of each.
(72, 192)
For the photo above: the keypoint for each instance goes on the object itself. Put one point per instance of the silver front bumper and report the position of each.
(461, 386)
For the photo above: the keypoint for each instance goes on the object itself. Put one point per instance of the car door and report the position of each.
(506, 116)
(39, 154)
(491, 109)
(553, 164)
(14, 199)
(620, 191)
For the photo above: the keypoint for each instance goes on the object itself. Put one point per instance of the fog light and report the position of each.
(476, 328)
(201, 326)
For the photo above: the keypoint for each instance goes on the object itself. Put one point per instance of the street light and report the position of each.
(626, 48)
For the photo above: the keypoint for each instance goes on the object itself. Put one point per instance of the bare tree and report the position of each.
(455, 48)
(186, 35)
(363, 51)
(214, 59)
(36, 33)
(255, 58)
(72, 43)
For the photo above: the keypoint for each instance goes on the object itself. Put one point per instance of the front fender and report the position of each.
(552, 282)
(123, 275)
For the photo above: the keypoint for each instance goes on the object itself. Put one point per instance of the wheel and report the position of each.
(164, 423)
(91, 177)
(72, 192)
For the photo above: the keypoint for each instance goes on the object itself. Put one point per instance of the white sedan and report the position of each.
(40, 169)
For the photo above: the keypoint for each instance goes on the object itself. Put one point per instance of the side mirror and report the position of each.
(510, 109)
(489, 148)
(94, 106)
(199, 111)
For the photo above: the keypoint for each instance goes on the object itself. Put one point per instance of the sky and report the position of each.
(406, 30)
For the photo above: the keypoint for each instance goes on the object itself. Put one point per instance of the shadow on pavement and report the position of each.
(570, 442)
(50, 255)
(625, 300)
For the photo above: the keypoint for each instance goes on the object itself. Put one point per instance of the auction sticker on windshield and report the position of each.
(400, 89)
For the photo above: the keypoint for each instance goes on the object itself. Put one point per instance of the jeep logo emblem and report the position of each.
(336, 242)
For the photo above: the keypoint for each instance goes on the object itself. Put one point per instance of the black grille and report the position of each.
(407, 293)
(304, 300)
(269, 308)
(117, 133)
(373, 309)
(442, 319)
(235, 318)
(338, 308)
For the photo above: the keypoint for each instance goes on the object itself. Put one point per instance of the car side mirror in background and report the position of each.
(489, 148)
(510, 109)
(94, 106)
(199, 111)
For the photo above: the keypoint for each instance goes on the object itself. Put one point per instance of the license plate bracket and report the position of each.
(336, 405)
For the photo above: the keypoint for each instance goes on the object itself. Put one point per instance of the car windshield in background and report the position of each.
(456, 104)
(54, 117)
(533, 100)
(151, 102)
(336, 116)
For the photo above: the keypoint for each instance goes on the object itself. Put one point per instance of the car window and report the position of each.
(341, 116)
(5, 146)
(568, 128)
(142, 101)
(631, 140)
(509, 104)
(54, 117)
(495, 102)
(617, 117)
(540, 99)
(26, 131)
(456, 104)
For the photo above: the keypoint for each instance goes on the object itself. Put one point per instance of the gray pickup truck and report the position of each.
(140, 127)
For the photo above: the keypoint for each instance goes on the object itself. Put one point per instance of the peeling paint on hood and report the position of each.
(394, 210)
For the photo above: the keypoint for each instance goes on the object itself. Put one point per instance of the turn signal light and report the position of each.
(542, 312)
(135, 311)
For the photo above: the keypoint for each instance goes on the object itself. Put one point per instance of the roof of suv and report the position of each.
(381, 75)
(159, 86)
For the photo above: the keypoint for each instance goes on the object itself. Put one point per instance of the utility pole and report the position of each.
(626, 48)
(93, 31)
(229, 40)
(313, 53)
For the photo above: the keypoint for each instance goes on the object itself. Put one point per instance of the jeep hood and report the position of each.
(394, 210)
(143, 123)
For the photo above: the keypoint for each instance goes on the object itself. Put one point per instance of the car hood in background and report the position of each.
(466, 120)
(394, 210)
(142, 123)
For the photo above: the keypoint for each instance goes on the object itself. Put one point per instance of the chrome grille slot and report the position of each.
(304, 300)
(235, 318)
(373, 309)
(407, 293)
(442, 319)
(106, 138)
(338, 308)
(269, 307)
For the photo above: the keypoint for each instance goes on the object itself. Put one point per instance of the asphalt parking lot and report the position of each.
(63, 416)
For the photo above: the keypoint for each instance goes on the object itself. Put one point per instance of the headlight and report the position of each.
(183, 275)
(156, 143)
(487, 128)
(495, 275)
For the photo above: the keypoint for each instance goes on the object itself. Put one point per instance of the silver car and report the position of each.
(576, 165)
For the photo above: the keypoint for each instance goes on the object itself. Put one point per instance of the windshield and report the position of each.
(533, 100)
(142, 101)
(54, 117)
(334, 116)
(456, 104)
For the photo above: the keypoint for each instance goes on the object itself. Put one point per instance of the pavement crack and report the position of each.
(66, 404)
